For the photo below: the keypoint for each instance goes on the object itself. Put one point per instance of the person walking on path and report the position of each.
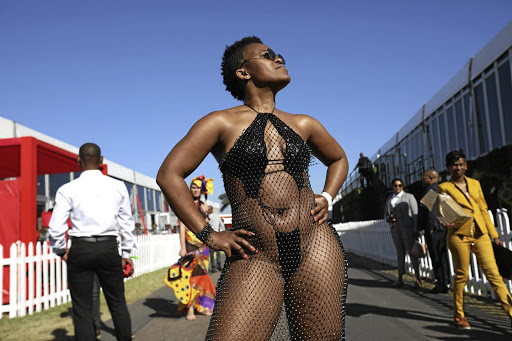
(96, 205)
(435, 236)
(475, 236)
(365, 167)
(281, 251)
(401, 212)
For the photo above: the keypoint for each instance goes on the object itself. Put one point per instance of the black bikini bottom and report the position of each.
(288, 246)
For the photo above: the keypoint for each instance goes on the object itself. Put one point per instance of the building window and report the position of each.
(435, 143)
(461, 125)
(158, 199)
(506, 99)
(471, 127)
(483, 131)
(493, 112)
(141, 195)
(151, 203)
(443, 150)
(56, 181)
(41, 185)
(452, 129)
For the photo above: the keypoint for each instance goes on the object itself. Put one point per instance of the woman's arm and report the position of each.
(484, 209)
(413, 204)
(330, 153)
(183, 159)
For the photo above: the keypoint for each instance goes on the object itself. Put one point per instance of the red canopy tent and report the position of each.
(25, 158)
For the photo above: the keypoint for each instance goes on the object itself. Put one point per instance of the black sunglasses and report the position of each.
(398, 185)
(267, 54)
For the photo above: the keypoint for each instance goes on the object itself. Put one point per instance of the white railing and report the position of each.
(372, 239)
(38, 278)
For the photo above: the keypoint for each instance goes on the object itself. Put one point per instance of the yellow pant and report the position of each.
(460, 247)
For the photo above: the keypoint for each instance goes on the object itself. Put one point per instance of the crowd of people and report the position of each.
(476, 235)
(282, 254)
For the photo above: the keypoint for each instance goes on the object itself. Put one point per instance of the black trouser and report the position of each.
(96, 303)
(438, 252)
(216, 260)
(84, 260)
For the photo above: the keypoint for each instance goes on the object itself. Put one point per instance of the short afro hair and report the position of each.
(453, 156)
(90, 152)
(231, 60)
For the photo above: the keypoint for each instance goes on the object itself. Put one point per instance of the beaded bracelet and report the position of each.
(204, 233)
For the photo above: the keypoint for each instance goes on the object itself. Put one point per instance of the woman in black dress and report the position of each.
(285, 273)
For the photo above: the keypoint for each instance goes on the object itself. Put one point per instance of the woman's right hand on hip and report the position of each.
(231, 242)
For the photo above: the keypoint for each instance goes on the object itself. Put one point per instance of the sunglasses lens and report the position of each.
(270, 54)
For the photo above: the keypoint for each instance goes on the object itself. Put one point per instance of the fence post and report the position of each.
(31, 279)
(13, 275)
(22, 280)
(39, 277)
(46, 291)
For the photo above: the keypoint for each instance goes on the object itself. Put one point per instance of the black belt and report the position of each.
(93, 239)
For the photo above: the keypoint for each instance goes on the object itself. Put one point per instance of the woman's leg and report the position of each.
(485, 256)
(398, 241)
(315, 294)
(460, 248)
(249, 301)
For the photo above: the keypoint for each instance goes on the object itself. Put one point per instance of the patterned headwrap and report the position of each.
(206, 185)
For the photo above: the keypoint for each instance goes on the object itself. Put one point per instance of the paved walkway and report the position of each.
(375, 311)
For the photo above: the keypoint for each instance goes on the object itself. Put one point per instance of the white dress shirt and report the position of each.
(395, 198)
(96, 204)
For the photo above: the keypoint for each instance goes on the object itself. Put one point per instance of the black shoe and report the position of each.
(398, 284)
(438, 290)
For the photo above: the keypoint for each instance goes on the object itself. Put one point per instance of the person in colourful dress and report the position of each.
(198, 291)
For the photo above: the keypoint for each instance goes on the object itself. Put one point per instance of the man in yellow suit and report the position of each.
(475, 235)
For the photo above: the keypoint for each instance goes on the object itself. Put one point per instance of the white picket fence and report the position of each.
(38, 278)
(372, 239)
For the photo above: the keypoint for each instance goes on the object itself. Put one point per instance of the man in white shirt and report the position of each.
(96, 204)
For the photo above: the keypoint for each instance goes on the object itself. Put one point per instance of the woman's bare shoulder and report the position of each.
(223, 116)
(300, 120)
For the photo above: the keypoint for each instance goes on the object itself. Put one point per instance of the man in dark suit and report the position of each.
(435, 236)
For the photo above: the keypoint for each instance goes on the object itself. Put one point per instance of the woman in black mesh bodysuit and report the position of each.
(285, 273)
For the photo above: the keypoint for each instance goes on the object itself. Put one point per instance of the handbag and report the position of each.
(178, 277)
(419, 250)
(503, 260)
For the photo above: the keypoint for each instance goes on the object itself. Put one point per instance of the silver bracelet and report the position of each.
(204, 233)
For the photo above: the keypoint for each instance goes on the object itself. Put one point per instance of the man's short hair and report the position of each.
(432, 173)
(90, 152)
(453, 156)
(231, 60)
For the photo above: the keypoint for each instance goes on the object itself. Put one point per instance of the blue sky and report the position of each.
(133, 76)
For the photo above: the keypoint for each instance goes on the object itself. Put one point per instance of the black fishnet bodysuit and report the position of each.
(294, 287)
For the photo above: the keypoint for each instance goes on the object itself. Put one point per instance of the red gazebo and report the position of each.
(23, 159)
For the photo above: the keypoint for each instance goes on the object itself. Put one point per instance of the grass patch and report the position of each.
(56, 323)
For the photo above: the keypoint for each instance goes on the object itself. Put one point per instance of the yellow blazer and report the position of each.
(474, 205)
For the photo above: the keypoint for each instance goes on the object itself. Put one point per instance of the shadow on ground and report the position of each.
(162, 307)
